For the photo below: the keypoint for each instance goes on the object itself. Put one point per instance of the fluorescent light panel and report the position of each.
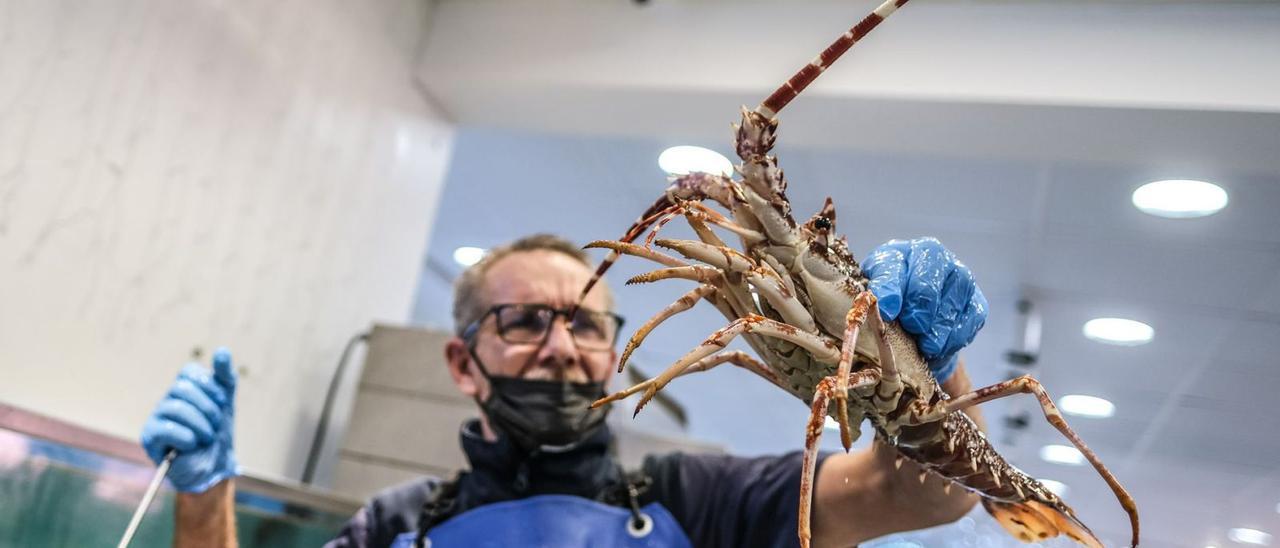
(1118, 331)
(467, 255)
(1057, 487)
(1062, 454)
(1249, 536)
(1086, 406)
(685, 159)
(1180, 198)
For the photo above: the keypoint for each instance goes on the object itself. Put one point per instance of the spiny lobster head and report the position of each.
(821, 228)
(763, 186)
(755, 135)
(827, 252)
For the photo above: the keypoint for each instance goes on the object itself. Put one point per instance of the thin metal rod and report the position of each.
(156, 480)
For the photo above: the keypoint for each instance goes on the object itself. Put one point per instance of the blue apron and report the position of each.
(553, 521)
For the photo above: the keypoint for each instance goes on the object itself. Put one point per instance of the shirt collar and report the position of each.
(500, 471)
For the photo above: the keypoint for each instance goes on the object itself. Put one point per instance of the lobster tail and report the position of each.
(1034, 521)
(957, 450)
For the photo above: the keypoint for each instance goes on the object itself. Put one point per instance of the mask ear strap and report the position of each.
(471, 350)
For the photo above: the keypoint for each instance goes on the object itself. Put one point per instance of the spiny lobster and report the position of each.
(800, 300)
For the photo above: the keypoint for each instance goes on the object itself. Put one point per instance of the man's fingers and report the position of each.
(187, 416)
(186, 390)
(957, 289)
(160, 435)
(968, 323)
(931, 264)
(223, 371)
(887, 268)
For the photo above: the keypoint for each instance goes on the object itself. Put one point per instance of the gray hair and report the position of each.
(469, 301)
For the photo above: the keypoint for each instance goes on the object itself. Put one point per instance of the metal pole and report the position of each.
(156, 480)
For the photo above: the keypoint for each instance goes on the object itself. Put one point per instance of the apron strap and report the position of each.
(443, 503)
(440, 506)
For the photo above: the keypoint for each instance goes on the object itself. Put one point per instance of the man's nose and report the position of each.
(560, 351)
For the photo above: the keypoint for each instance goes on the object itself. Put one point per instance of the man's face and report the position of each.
(533, 277)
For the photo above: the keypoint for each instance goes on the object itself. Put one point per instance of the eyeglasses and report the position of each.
(530, 324)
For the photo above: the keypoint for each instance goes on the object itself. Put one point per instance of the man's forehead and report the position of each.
(542, 276)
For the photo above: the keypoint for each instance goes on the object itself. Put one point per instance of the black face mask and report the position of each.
(538, 414)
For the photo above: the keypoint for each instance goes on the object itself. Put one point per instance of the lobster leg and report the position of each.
(781, 296)
(813, 432)
(890, 381)
(821, 349)
(736, 357)
(628, 248)
(706, 214)
(1028, 385)
(723, 257)
(698, 215)
(853, 321)
(694, 186)
(737, 301)
(682, 304)
(697, 273)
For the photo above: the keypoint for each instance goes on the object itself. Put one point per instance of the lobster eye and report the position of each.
(822, 223)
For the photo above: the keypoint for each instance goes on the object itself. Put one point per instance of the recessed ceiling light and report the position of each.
(1062, 454)
(1057, 487)
(1180, 198)
(467, 255)
(1087, 406)
(1249, 536)
(687, 159)
(1118, 331)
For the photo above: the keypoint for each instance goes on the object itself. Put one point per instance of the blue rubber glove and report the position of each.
(195, 418)
(931, 294)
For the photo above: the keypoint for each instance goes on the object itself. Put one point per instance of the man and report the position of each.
(541, 468)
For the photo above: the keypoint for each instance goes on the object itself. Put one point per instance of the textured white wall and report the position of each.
(192, 173)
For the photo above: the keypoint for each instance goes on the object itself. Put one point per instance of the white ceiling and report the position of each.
(1014, 133)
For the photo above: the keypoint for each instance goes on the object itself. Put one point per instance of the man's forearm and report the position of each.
(208, 519)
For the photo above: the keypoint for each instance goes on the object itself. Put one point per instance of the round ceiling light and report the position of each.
(1180, 198)
(467, 255)
(685, 159)
(1086, 406)
(1118, 331)
(1249, 536)
(1062, 454)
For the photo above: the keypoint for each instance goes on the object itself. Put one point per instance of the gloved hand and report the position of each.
(195, 419)
(931, 294)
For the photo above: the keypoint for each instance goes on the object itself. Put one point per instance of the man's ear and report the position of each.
(459, 361)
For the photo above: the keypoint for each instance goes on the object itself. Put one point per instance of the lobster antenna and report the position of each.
(788, 91)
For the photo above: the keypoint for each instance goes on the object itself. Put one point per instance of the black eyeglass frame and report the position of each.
(473, 328)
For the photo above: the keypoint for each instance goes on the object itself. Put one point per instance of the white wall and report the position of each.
(192, 173)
